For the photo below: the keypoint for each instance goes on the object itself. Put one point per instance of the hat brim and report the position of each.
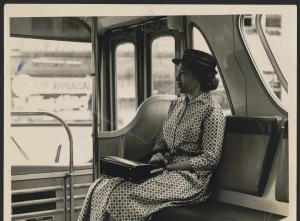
(177, 61)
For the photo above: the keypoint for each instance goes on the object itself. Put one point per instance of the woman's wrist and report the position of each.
(185, 165)
(170, 167)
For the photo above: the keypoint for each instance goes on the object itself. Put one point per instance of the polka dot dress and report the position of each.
(193, 131)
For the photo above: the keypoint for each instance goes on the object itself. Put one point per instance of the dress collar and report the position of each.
(203, 98)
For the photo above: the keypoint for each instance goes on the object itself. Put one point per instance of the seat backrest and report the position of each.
(138, 137)
(248, 151)
(141, 138)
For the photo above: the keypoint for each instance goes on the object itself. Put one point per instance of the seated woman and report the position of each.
(192, 135)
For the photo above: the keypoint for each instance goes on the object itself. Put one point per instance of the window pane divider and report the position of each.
(269, 53)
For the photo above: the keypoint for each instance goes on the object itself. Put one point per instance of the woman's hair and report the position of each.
(206, 78)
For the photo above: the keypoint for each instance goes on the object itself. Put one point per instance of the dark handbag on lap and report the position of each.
(129, 170)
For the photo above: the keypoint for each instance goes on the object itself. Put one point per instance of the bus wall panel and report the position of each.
(244, 86)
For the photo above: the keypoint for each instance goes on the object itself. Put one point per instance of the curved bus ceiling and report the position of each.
(56, 28)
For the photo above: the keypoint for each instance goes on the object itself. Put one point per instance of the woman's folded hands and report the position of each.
(162, 160)
(159, 159)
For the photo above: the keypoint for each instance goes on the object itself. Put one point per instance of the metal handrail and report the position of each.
(71, 165)
(269, 52)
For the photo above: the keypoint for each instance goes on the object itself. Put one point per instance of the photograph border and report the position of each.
(7, 4)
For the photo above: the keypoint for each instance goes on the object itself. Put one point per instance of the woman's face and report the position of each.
(186, 81)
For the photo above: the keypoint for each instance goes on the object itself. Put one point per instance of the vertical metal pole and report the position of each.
(65, 195)
(71, 196)
(95, 106)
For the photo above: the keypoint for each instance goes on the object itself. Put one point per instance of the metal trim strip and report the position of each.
(36, 190)
(42, 189)
(34, 202)
(35, 214)
(49, 175)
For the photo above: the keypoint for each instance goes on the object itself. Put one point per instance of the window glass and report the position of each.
(50, 76)
(125, 84)
(163, 69)
(219, 94)
(277, 31)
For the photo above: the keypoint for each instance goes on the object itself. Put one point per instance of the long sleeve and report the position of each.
(160, 141)
(212, 141)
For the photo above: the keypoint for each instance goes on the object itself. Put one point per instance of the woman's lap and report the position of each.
(126, 200)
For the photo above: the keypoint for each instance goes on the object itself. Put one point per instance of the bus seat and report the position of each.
(142, 136)
(138, 137)
(252, 143)
(282, 180)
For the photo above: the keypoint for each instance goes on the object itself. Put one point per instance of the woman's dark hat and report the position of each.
(197, 59)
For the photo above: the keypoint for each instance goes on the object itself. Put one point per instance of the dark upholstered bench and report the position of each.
(248, 152)
(213, 211)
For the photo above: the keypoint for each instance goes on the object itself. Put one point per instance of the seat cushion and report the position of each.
(213, 211)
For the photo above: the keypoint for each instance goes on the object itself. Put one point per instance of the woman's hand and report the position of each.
(158, 158)
(169, 167)
(185, 165)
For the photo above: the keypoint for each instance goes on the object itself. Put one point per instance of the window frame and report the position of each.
(193, 25)
(153, 29)
(269, 52)
(270, 94)
(141, 34)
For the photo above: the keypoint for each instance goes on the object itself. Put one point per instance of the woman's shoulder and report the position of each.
(176, 102)
(179, 99)
(214, 105)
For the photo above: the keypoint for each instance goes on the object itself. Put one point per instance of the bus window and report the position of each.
(50, 76)
(277, 32)
(163, 70)
(125, 83)
(219, 94)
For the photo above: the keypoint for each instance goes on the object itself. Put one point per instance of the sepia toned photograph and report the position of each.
(147, 112)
